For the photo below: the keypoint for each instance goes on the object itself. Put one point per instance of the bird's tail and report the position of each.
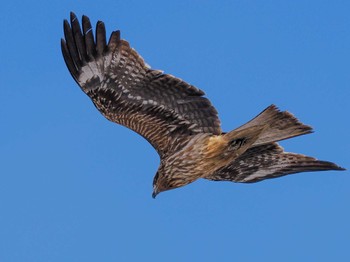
(223, 149)
(269, 126)
(278, 126)
(255, 156)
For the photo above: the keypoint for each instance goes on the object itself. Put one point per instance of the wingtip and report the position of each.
(114, 39)
(339, 168)
(72, 16)
(100, 25)
(65, 24)
(85, 19)
(332, 166)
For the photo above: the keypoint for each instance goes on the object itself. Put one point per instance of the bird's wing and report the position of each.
(158, 106)
(269, 161)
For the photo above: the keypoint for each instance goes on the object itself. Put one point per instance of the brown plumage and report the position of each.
(176, 118)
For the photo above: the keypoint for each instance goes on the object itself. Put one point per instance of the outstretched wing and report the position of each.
(269, 161)
(158, 106)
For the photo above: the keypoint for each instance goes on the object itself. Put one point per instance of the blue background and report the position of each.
(76, 187)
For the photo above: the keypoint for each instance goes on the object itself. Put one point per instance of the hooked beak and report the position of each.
(154, 194)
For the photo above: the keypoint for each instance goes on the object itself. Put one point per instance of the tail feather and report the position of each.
(226, 148)
(269, 161)
(240, 140)
(281, 125)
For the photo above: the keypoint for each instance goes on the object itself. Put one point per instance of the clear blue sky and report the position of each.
(76, 187)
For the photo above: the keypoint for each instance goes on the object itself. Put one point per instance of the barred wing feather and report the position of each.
(158, 106)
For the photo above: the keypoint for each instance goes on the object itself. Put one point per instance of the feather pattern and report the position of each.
(124, 89)
(268, 161)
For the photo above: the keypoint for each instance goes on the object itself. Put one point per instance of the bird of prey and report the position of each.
(176, 118)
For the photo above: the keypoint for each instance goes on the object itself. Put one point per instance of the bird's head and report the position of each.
(161, 183)
(166, 180)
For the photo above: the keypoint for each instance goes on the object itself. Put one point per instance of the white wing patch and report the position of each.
(260, 174)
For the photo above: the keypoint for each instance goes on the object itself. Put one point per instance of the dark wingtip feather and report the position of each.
(68, 60)
(78, 38)
(89, 37)
(326, 165)
(100, 37)
(72, 16)
(114, 40)
(79, 46)
(71, 43)
(336, 167)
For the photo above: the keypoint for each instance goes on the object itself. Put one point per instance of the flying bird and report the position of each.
(175, 117)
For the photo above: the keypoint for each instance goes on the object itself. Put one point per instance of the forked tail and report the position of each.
(269, 126)
(280, 126)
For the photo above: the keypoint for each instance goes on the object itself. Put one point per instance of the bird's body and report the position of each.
(176, 118)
